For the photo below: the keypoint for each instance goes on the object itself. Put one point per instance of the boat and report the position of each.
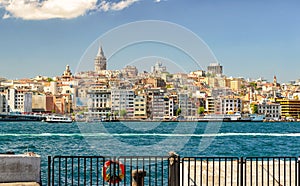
(58, 119)
(18, 117)
(235, 117)
(257, 117)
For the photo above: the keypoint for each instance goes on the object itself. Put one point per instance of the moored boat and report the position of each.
(58, 119)
(257, 117)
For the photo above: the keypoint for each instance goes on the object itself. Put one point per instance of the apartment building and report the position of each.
(99, 101)
(19, 100)
(155, 104)
(289, 108)
(270, 110)
(140, 107)
(187, 105)
(230, 104)
(122, 103)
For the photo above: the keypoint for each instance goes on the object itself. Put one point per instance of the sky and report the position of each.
(250, 38)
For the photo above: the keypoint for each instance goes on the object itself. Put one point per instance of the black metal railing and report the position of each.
(99, 170)
(210, 171)
(173, 171)
(271, 171)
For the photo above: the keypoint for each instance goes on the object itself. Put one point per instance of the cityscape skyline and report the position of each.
(261, 37)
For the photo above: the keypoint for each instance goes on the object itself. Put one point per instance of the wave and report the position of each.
(149, 134)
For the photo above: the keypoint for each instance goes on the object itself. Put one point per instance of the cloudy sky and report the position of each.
(257, 38)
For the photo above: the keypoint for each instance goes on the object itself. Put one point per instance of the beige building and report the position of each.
(39, 103)
(236, 84)
(140, 107)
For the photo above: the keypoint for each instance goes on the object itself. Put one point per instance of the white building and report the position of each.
(122, 102)
(270, 110)
(229, 104)
(99, 101)
(19, 100)
(169, 108)
(158, 68)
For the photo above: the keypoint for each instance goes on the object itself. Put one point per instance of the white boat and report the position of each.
(58, 119)
(257, 117)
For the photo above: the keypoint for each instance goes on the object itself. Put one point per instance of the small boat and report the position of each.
(58, 119)
(257, 117)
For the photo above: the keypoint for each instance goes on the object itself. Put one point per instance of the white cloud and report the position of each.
(116, 6)
(63, 9)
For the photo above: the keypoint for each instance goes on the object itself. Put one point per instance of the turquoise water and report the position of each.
(150, 138)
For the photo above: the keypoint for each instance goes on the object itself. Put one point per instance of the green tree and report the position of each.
(49, 79)
(123, 113)
(254, 108)
(178, 111)
(201, 110)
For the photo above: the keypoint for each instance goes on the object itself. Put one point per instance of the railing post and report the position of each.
(49, 171)
(298, 172)
(242, 171)
(138, 177)
(174, 169)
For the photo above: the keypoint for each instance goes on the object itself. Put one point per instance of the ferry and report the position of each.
(18, 117)
(58, 119)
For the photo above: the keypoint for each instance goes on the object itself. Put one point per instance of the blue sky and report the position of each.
(257, 38)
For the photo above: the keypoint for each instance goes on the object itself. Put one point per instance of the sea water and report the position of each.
(187, 139)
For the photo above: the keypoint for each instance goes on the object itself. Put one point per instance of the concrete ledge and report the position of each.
(20, 168)
(20, 184)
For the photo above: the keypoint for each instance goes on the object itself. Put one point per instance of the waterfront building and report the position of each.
(3, 104)
(155, 104)
(100, 61)
(4, 107)
(63, 103)
(229, 104)
(289, 108)
(169, 108)
(270, 110)
(215, 69)
(187, 105)
(99, 101)
(210, 105)
(19, 100)
(122, 103)
(140, 107)
(39, 103)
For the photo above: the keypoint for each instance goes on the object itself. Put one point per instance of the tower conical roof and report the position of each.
(100, 52)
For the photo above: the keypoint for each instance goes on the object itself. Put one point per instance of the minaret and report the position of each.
(275, 81)
(100, 60)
